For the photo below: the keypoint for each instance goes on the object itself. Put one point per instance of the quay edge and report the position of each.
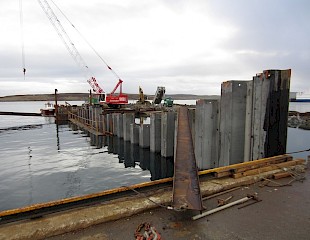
(80, 218)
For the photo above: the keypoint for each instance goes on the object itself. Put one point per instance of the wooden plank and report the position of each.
(262, 164)
(231, 168)
(281, 175)
(269, 168)
(222, 174)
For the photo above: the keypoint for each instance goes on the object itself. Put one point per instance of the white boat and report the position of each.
(301, 97)
(48, 110)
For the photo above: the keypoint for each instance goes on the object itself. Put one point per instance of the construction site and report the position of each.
(230, 175)
(226, 152)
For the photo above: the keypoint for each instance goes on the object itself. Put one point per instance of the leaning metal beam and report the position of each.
(186, 189)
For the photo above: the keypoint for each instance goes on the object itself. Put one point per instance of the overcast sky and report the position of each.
(188, 46)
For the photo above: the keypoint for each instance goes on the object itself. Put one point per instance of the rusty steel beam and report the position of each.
(186, 188)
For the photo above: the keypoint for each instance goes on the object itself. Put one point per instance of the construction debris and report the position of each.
(146, 232)
(240, 201)
(222, 202)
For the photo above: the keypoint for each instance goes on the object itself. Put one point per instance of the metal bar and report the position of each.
(186, 188)
(220, 193)
(242, 200)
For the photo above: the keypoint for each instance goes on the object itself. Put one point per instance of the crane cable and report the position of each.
(22, 36)
(88, 43)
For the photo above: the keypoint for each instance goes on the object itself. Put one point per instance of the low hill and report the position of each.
(84, 96)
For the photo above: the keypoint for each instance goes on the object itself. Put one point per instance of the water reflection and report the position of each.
(132, 156)
(30, 176)
(57, 137)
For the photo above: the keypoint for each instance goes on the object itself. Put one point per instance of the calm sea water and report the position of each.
(43, 162)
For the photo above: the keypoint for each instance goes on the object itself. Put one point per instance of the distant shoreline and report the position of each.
(84, 97)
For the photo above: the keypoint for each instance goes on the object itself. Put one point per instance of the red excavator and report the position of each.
(112, 99)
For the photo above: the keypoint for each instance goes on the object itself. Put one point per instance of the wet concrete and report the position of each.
(283, 213)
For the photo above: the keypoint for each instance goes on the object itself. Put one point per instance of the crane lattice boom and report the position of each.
(111, 99)
(64, 36)
(95, 86)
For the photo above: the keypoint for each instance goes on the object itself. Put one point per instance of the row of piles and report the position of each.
(157, 135)
(248, 122)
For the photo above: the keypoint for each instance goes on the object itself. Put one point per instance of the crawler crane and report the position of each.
(112, 99)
